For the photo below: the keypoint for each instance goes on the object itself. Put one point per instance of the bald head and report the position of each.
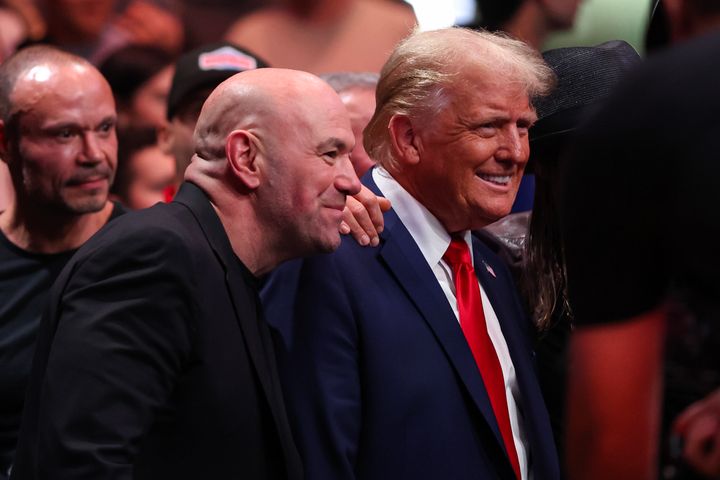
(260, 101)
(273, 148)
(36, 66)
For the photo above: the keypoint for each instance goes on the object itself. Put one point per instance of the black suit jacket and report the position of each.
(153, 360)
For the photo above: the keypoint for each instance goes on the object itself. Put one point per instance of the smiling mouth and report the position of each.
(501, 180)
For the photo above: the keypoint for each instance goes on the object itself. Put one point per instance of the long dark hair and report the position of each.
(544, 284)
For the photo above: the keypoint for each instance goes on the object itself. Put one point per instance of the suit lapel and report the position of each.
(531, 403)
(493, 287)
(246, 305)
(404, 259)
(515, 338)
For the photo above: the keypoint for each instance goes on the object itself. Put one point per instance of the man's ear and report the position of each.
(405, 141)
(165, 138)
(242, 157)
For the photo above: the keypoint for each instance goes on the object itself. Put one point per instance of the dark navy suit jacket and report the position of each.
(379, 380)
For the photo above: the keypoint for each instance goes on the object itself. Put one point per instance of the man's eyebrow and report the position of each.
(483, 115)
(531, 117)
(59, 125)
(494, 117)
(110, 120)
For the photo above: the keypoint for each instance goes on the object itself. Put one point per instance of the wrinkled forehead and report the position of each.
(477, 90)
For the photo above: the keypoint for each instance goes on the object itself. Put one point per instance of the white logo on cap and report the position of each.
(226, 58)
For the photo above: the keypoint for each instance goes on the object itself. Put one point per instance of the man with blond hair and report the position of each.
(412, 359)
(153, 360)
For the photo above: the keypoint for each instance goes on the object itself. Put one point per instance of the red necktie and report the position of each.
(472, 322)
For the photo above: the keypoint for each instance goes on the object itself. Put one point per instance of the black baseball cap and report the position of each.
(206, 67)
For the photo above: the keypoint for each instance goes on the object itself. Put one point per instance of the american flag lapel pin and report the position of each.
(489, 269)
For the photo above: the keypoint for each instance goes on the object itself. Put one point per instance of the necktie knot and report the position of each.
(458, 254)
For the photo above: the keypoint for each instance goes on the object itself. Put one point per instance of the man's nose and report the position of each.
(91, 151)
(346, 180)
(513, 146)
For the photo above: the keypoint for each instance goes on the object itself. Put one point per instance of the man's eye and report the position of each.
(332, 154)
(106, 127)
(486, 128)
(64, 133)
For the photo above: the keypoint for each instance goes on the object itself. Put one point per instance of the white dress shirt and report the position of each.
(433, 241)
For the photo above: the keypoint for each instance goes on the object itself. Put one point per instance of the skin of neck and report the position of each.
(250, 241)
(34, 230)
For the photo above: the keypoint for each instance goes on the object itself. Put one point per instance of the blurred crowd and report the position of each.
(501, 267)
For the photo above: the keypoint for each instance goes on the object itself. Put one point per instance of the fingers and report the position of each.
(374, 205)
(344, 228)
(357, 218)
(384, 204)
(363, 217)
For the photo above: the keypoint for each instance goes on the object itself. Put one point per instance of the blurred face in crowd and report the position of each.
(79, 19)
(149, 104)
(360, 105)
(473, 153)
(64, 150)
(151, 172)
(176, 138)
